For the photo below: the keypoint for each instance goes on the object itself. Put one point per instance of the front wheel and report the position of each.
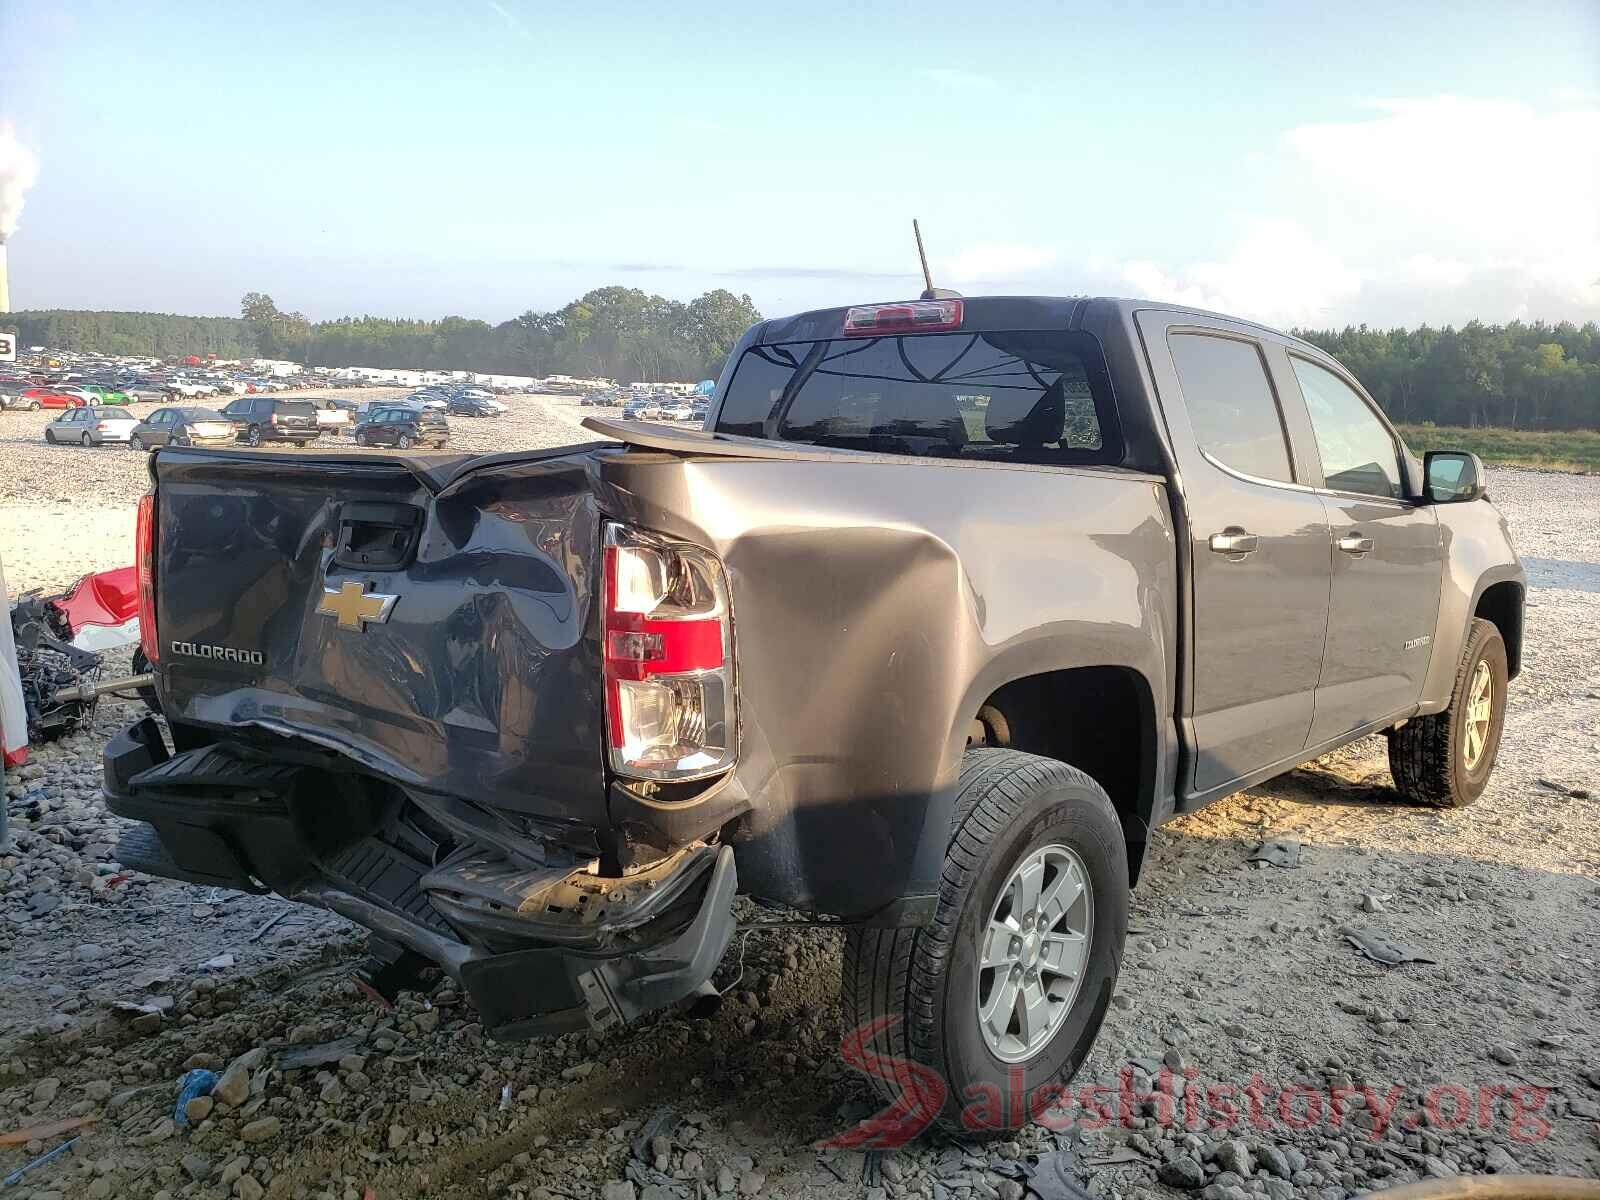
(1009, 983)
(87, 440)
(361, 438)
(1445, 760)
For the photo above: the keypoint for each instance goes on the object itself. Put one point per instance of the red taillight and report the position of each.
(915, 316)
(668, 658)
(144, 559)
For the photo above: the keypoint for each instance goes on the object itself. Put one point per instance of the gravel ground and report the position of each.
(1236, 977)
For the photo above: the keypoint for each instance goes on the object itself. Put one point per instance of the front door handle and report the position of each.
(1354, 543)
(1234, 540)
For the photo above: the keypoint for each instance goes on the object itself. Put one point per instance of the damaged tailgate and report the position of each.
(439, 629)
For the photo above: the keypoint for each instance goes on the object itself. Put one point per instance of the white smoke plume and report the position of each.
(18, 169)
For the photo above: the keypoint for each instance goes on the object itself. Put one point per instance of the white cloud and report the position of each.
(1436, 209)
(994, 262)
(1277, 273)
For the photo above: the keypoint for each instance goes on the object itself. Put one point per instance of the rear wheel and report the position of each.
(1445, 760)
(135, 442)
(403, 441)
(252, 436)
(1012, 979)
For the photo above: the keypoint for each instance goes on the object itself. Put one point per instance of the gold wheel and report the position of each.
(1480, 709)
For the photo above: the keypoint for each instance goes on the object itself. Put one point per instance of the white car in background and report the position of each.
(190, 389)
(334, 418)
(91, 427)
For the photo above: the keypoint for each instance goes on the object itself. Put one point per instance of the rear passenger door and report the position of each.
(1258, 545)
(1387, 559)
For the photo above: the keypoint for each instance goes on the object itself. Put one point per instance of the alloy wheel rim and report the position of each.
(1480, 710)
(1033, 952)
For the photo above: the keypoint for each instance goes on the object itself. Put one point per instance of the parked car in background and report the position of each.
(141, 392)
(404, 428)
(48, 396)
(107, 393)
(11, 394)
(182, 427)
(680, 411)
(258, 419)
(334, 417)
(191, 389)
(472, 406)
(90, 425)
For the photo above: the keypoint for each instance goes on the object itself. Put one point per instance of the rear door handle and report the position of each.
(1234, 540)
(1354, 543)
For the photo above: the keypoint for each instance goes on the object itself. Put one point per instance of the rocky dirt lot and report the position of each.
(1344, 1075)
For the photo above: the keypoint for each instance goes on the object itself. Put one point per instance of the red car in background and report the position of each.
(47, 397)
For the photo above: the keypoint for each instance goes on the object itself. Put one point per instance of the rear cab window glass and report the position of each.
(1230, 404)
(1039, 396)
(1358, 455)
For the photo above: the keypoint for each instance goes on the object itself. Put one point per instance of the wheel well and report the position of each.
(1502, 604)
(1099, 719)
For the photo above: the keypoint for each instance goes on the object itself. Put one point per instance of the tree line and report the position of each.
(613, 332)
(1522, 375)
(1517, 376)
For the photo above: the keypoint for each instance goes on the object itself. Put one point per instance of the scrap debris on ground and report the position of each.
(1241, 992)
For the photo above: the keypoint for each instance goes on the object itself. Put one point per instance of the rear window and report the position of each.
(294, 408)
(1029, 396)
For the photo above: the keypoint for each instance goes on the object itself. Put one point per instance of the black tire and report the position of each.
(925, 982)
(134, 442)
(86, 440)
(403, 441)
(252, 436)
(34, 406)
(1428, 755)
(361, 438)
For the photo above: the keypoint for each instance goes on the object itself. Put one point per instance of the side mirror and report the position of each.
(1452, 475)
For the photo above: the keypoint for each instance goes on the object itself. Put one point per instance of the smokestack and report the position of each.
(5, 283)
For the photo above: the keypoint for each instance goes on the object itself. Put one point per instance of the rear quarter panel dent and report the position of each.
(876, 606)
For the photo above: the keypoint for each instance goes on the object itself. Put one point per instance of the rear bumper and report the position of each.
(207, 819)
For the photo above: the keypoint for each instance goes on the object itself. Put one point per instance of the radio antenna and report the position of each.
(927, 279)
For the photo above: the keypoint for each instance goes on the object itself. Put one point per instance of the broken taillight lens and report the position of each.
(144, 559)
(668, 658)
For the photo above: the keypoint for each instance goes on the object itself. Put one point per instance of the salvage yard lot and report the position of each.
(1239, 973)
(65, 510)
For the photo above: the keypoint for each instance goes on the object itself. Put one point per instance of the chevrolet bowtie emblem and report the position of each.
(350, 603)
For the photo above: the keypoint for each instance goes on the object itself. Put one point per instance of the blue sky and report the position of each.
(1389, 163)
